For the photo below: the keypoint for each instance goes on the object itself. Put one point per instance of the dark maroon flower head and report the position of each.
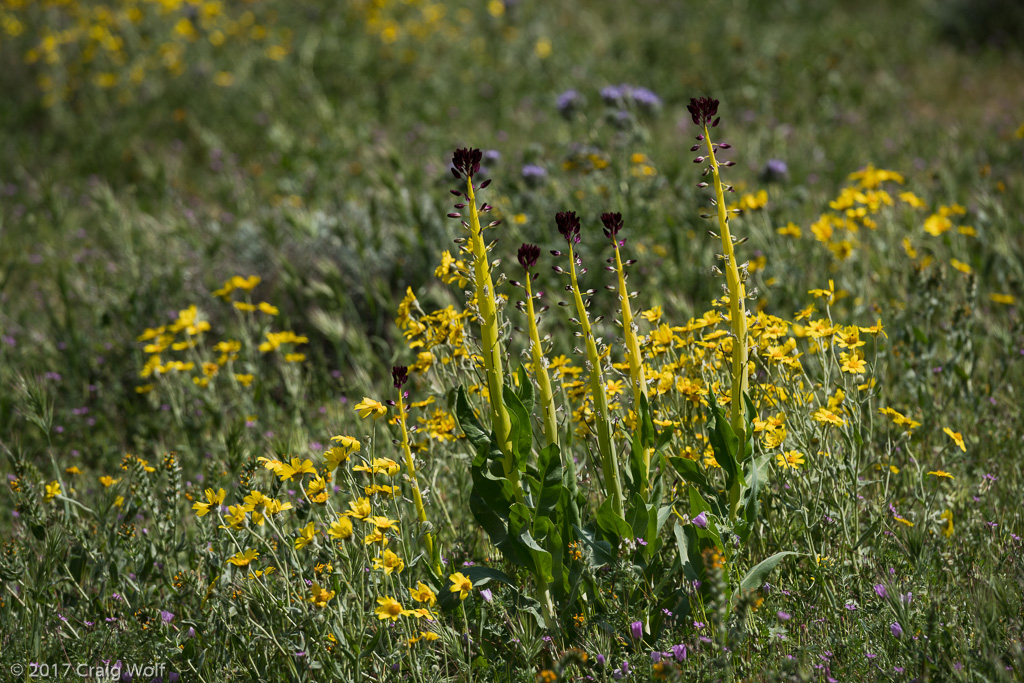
(466, 162)
(400, 374)
(528, 255)
(612, 224)
(703, 109)
(569, 226)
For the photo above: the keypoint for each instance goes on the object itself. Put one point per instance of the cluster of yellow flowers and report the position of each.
(185, 335)
(119, 46)
(859, 206)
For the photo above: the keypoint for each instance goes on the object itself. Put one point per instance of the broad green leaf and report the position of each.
(690, 471)
(614, 527)
(519, 523)
(468, 421)
(549, 477)
(521, 435)
(481, 576)
(756, 576)
(526, 392)
(688, 544)
(725, 444)
(637, 472)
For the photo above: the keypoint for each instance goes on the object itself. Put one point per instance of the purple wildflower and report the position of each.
(701, 520)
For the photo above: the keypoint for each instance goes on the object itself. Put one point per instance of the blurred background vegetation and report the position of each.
(154, 149)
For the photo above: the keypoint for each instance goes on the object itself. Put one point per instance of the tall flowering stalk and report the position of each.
(703, 110)
(612, 225)
(400, 375)
(465, 164)
(569, 226)
(528, 255)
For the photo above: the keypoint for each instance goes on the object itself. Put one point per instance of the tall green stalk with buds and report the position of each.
(725, 521)
(528, 255)
(569, 226)
(400, 375)
(637, 378)
(465, 164)
(704, 111)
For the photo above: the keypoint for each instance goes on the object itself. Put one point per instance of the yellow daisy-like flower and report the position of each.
(940, 473)
(73, 470)
(321, 596)
(389, 608)
(386, 491)
(826, 416)
(957, 437)
(214, 500)
(791, 460)
(243, 559)
(317, 490)
(306, 535)
(422, 613)
(424, 635)
(422, 593)
(108, 481)
(257, 573)
(360, 509)
(52, 491)
(340, 529)
(380, 466)
(235, 518)
(383, 523)
(275, 466)
(460, 584)
(336, 455)
(389, 562)
(296, 467)
(376, 536)
(852, 363)
(368, 407)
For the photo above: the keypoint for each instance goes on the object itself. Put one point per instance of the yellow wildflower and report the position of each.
(306, 535)
(241, 559)
(368, 407)
(389, 608)
(422, 593)
(460, 584)
(389, 562)
(52, 491)
(321, 596)
(214, 501)
(957, 437)
(340, 529)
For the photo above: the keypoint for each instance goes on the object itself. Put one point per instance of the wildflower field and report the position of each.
(511, 341)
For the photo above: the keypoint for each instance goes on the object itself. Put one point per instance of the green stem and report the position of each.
(737, 298)
(540, 371)
(417, 497)
(636, 367)
(604, 432)
(501, 423)
(738, 318)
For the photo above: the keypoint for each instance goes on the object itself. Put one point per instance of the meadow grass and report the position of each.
(269, 413)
